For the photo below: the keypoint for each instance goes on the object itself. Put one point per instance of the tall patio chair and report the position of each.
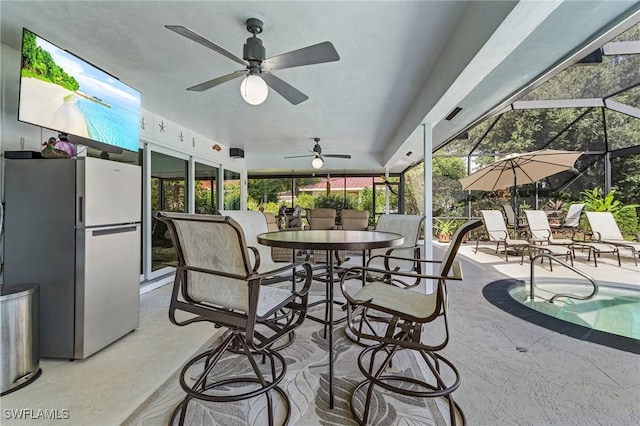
(498, 233)
(278, 254)
(217, 282)
(606, 230)
(410, 314)
(571, 221)
(404, 257)
(254, 223)
(323, 219)
(356, 220)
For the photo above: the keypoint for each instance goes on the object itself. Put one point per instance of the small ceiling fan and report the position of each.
(318, 159)
(258, 69)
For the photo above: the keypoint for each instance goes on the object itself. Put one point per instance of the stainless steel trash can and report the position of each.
(19, 310)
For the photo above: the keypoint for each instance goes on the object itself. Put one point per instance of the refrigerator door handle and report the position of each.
(110, 231)
(80, 209)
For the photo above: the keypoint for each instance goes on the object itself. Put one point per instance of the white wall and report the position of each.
(154, 129)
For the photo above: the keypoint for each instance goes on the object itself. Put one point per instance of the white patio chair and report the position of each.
(497, 231)
(510, 214)
(606, 230)
(403, 257)
(571, 221)
(540, 229)
(254, 223)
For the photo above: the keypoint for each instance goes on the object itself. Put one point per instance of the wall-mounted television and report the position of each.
(62, 92)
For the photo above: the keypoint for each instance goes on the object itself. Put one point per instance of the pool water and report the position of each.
(613, 310)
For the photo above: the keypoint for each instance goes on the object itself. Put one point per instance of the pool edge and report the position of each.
(497, 293)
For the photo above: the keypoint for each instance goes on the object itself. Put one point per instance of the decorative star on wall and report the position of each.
(181, 137)
(193, 142)
(161, 124)
(142, 123)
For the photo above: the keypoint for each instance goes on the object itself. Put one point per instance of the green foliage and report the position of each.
(267, 189)
(625, 215)
(231, 196)
(204, 204)
(305, 200)
(332, 201)
(445, 226)
(39, 64)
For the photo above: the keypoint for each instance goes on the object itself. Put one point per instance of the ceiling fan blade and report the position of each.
(203, 41)
(300, 156)
(337, 155)
(216, 81)
(316, 54)
(285, 90)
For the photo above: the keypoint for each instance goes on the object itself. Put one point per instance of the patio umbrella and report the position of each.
(519, 169)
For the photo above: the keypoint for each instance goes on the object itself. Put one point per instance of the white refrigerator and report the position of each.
(73, 227)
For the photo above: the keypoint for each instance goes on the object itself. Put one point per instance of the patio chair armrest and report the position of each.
(280, 270)
(390, 251)
(210, 272)
(506, 234)
(356, 270)
(308, 280)
(540, 234)
(409, 259)
(256, 256)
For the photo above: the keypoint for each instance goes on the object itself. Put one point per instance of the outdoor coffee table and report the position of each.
(331, 241)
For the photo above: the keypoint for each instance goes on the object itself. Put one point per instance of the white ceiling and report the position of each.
(402, 64)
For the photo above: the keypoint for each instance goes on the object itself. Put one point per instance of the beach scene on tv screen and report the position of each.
(59, 91)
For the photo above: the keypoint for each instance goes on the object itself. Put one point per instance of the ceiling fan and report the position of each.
(258, 69)
(318, 159)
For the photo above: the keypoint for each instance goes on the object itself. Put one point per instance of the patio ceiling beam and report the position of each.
(621, 48)
(624, 109)
(559, 103)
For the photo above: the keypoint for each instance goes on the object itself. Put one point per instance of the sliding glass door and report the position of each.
(168, 179)
(206, 189)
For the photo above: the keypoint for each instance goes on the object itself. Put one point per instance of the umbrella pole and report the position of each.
(515, 204)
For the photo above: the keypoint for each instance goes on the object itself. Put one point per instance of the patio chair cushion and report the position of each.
(254, 223)
(278, 254)
(357, 220)
(321, 218)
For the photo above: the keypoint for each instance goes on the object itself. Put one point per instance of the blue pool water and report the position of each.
(613, 310)
(611, 318)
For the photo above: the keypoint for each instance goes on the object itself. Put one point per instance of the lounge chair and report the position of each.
(512, 223)
(605, 230)
(497, 230)
(540, 229)
(571, 221)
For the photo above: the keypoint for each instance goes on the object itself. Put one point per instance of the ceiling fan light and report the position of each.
(317, 162)
(254, 90)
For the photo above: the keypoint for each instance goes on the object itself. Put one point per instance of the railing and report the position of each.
(566, 265)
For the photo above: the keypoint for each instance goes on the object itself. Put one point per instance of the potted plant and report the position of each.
(444, 228)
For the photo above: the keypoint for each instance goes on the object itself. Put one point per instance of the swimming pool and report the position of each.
(611, 318)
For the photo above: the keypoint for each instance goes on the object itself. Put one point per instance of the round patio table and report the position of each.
(331, 241)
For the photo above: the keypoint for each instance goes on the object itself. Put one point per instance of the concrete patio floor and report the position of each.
(513, 372)
(518, 373)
